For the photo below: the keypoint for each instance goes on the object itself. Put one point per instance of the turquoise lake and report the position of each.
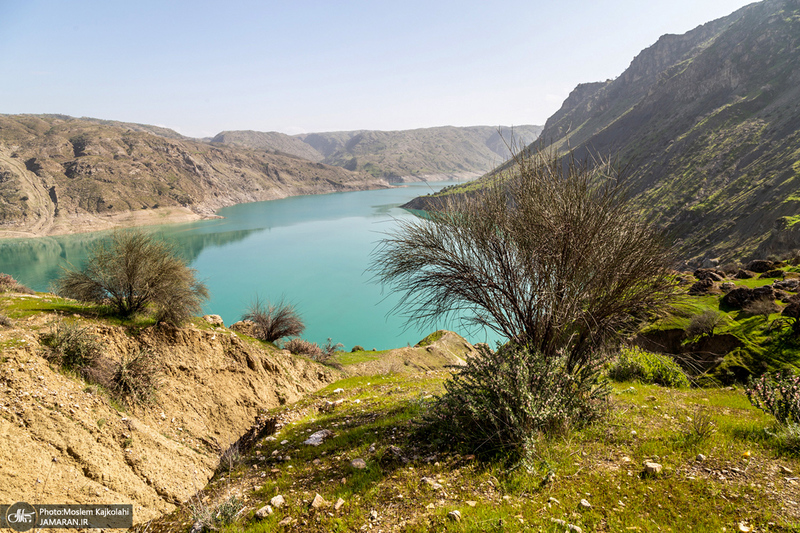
(313, 251)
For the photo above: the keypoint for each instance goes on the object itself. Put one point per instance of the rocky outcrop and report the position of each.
(64, 441)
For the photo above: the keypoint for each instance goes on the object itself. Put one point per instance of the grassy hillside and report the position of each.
(59, 173)
(706, 124)
(721, 469)
(397, 155)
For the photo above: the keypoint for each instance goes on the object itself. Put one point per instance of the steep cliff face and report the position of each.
(57, 172)
(707, 125)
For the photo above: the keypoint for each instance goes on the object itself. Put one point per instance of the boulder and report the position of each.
(744, 274)
(777, 273)
(245, 327)
(738, 298)
(214, 320)
(703, 286)
(709, 273)
(760, 266)
(787, 285)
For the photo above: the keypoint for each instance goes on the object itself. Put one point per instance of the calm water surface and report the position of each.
(311, 250)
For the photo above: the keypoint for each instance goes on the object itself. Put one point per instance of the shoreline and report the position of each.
(88, 223)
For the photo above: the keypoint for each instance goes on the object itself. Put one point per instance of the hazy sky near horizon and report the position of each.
(298, 66)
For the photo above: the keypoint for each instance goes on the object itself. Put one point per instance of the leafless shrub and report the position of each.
(70, 346)
(9, 284)
(704, 324)
(304, 347)
(136, 270)
(274, 321)
(137, 377)
(551, 255)
(762, 306)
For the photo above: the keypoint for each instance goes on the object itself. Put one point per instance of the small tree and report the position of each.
(762, 306)
(550, 255)
(133, 272)
(274, 321)
(704, 324)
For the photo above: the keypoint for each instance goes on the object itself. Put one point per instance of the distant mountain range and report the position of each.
(60, 174)
(396, 155)
(708, 125)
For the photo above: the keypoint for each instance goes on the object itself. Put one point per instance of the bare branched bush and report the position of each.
(70, 346)
(274, 321)
(137, 377)
(9, 284)
(704, 324)
(304, 347)
(763, 307)
(134, 271)
(551, 255)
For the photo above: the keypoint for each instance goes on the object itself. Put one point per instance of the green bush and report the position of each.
(70, 346)
(634, 364)
(134, 272)
(500, 401)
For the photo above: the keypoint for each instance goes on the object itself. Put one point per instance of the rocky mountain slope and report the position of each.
(424, 153)
(708, 126)
(60, 173)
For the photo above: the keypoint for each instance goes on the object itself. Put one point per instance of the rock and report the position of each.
(264, 512)
(338, 391)
(652, 469)
(744, 528)
(455, 516)
(702, 286)
(288, 521)
(318, 502)
(471, 503)
(569, 527)
(329, 407)
(277, 501)
(728, 286)
(394, 454)
(553, 500)
(785, 470)
(373, 515)
(700, 457)
(787, 285)
(760, 265)
(633, 433)
(315, 439)
(245, 327)
(584, 504)
(432, 482)
(777, 273)
(709, 273)
(338, 504)
(214, 320)
(284, 442)
(738, 298)
(744, 274)
(358, 464)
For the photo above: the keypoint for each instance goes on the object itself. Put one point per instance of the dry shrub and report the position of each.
(704, 324)
(763, 307)
(274, 321)
(9, 284)
(71, 346)
(304, 347)
(137, 377)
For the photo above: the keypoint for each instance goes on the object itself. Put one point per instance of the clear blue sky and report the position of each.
(295, 66)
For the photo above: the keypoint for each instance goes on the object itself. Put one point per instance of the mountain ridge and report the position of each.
(707, 125)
